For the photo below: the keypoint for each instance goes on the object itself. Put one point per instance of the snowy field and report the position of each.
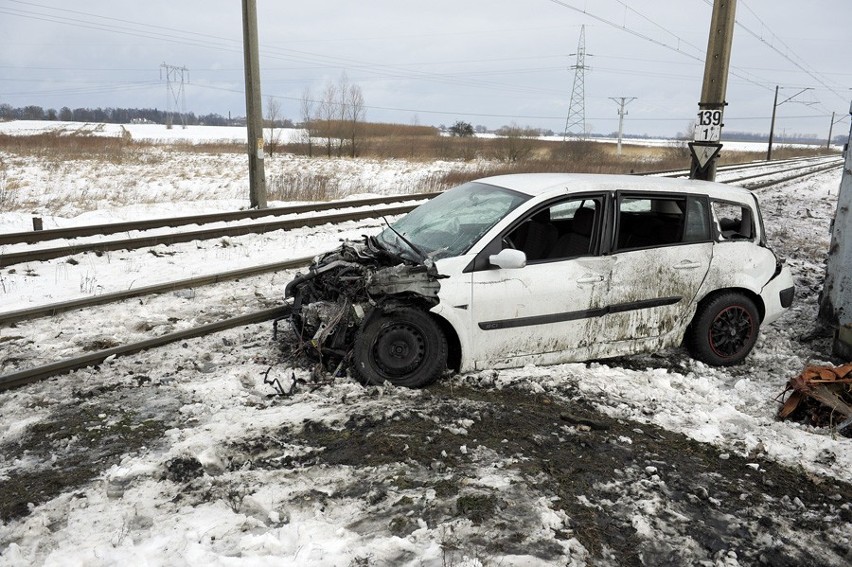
(188, 455)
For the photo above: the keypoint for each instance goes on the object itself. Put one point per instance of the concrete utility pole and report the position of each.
(254, 110)
(775, 105)
(708, 128)
(836, 298)
(831, 128)
(621, 102)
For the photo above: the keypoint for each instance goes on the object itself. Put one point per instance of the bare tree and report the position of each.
(338, 119)
(356, 113)
(343, 111)
(515, 143)
(306, 107)
(328, 113)
(273, 125)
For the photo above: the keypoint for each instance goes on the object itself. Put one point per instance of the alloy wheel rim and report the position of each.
(731, 331)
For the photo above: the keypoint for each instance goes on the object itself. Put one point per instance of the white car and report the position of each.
(544, 269)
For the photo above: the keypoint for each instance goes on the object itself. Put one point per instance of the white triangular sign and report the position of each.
(704, 153)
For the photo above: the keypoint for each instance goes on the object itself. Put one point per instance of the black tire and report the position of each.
(405, 347)
(724, 329)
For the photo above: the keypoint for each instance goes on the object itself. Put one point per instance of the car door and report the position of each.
(661, 254)
(541, 310)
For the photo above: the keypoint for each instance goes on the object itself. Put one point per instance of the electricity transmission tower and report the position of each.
(176, 78)
(575, 125)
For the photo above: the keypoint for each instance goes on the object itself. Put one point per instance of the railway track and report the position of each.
(35, 255)
(368, 210)
(737, 166)
(34, 374)
(51, 309)
(30, 375)
(32, 237)
(795, 173)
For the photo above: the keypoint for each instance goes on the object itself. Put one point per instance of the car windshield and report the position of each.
(452, 222)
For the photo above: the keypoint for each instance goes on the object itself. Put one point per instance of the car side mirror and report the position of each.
(508, 259)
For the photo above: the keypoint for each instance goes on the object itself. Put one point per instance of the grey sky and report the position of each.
(489, 62)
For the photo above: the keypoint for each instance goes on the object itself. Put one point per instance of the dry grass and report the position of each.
(7, 188)
(302, 186)
(211, 148)
(59, 147)
(494, 156)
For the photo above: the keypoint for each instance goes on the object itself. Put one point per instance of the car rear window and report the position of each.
(645, 221)
(733, 221)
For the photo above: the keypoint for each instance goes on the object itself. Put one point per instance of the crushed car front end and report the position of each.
(345, 288)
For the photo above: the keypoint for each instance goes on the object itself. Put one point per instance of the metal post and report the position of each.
(705, 148)
(772, 125)
(254, 110)
(836, 297)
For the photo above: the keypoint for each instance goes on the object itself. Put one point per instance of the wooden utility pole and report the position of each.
(836, 298)
(708, 128)
(254, 110)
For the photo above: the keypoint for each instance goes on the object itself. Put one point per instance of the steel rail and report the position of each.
(47, 310)
(13, 258)
(735, 166)
(24, 377)
(31, 237)
(771, 182)
(810, 169)
(35, 374)
(51, 309)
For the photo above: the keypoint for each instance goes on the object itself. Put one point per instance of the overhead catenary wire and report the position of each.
(301, 58)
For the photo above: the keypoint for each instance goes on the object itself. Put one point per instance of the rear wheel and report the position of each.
(404, 347)
(724, 329)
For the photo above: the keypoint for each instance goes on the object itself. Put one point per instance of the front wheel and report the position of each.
(724, 330)
(405, 347)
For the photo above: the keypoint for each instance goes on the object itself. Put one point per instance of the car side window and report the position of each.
(733, 221)
(697, 228)
(649, 221)
(565, 229)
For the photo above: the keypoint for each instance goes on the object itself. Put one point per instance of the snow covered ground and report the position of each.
(220, 451)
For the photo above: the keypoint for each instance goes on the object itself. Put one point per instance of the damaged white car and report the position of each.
(545, 269)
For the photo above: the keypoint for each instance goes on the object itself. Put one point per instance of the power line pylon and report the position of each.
(575, 124)
(176, 78)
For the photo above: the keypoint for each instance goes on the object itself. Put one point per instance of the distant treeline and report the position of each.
(783, 138)
(113, 115)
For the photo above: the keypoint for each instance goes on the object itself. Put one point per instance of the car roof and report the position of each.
(538, 184)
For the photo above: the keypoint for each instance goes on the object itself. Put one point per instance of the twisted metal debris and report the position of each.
(820, 396)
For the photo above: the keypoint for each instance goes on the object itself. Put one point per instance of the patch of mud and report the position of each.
(79, 440)
(631, 494)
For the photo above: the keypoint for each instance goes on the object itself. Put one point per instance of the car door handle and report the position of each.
(590, 278)
(687, 265)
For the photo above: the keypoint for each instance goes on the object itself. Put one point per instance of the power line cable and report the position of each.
(790, 55)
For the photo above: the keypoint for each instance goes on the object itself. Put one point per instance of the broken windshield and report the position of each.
(452, 222)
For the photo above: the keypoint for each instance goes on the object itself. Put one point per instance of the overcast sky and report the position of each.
(488, 62)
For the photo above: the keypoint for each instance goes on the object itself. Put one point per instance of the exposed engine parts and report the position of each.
(346, 288)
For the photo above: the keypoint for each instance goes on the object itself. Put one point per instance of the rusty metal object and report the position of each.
(820, 396)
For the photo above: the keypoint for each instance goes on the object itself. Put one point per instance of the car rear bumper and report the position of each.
(778, 295)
